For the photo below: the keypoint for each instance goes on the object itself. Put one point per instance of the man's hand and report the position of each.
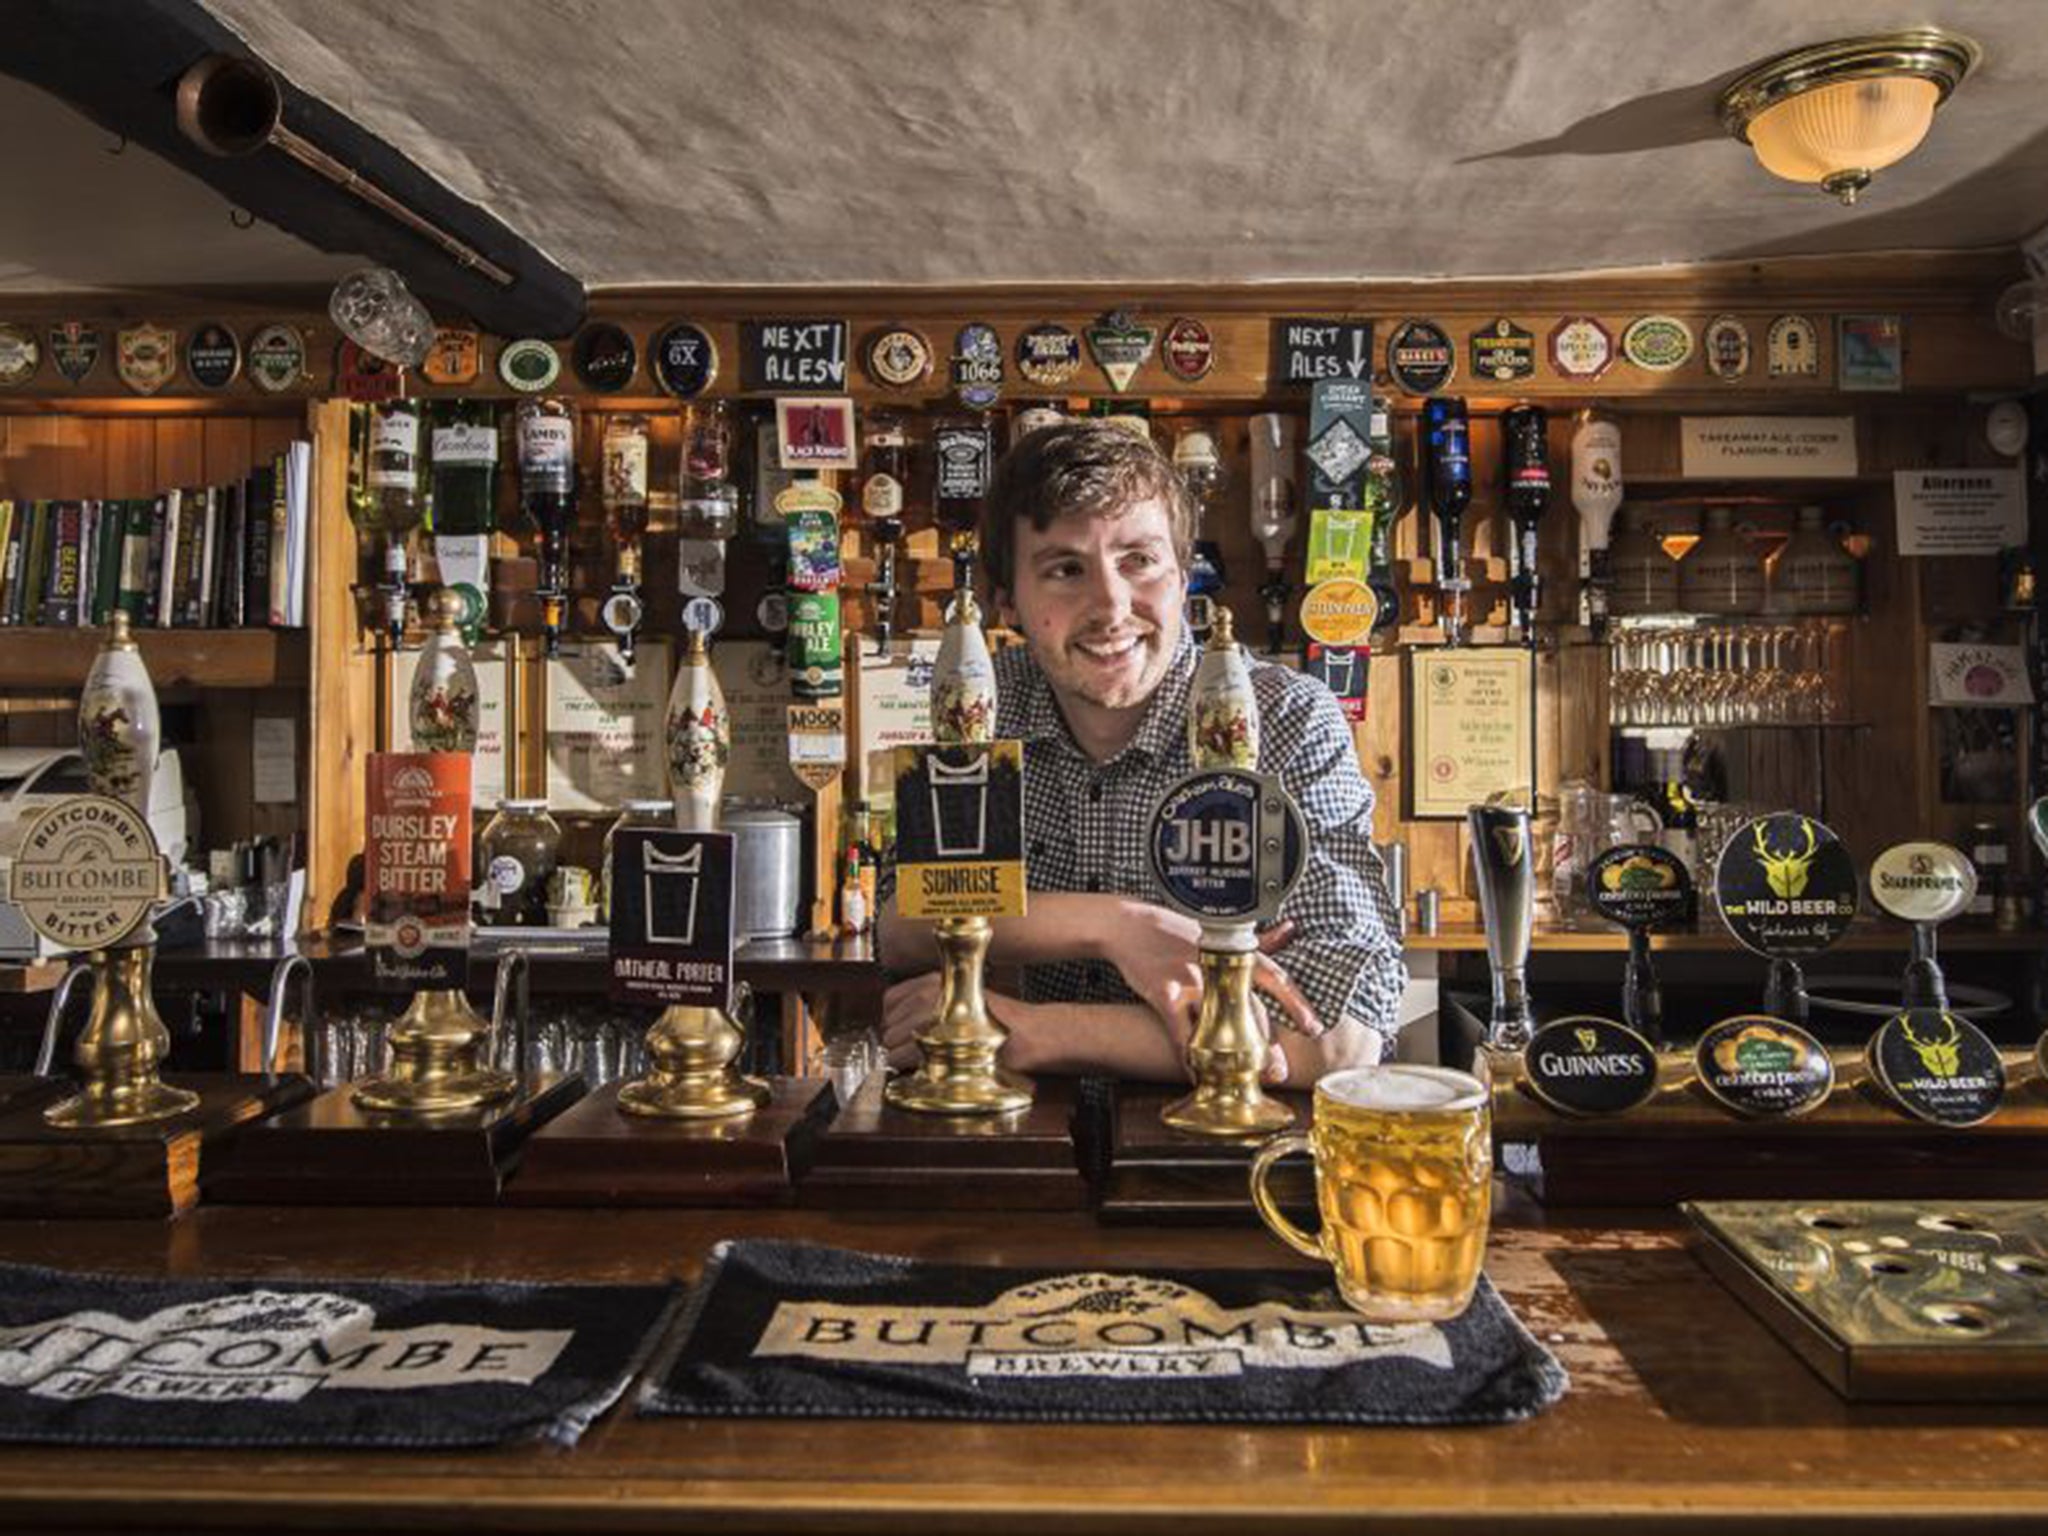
(911, 1005)
(1156, 952)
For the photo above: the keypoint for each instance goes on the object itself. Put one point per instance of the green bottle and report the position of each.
(464, 454)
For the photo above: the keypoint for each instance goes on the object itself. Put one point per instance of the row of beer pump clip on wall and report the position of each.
(1225, 842)
(1343, 478)
(1787, 889)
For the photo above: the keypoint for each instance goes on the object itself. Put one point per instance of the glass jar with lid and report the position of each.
(649, 815)
(520, 848)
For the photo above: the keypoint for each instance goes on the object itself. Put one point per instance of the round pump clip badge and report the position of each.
(1937, 1067)
(1786, 886)
(1923, 882)
(1586, 1065)
(1639, 885)
(1763, 1068)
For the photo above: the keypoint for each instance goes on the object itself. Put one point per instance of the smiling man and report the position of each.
(1086, 539)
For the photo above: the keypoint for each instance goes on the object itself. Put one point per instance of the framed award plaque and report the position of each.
(1471, 730)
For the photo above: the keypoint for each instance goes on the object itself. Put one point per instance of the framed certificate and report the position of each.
(1470, 730)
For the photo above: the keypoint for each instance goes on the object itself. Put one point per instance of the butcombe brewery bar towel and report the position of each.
(118, 1360)
(791, 1330)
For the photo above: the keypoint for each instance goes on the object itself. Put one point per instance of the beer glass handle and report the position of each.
(1269, 1209)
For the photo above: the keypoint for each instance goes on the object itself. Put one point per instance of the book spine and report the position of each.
(11, 521)
(162, 517)
(35, 564)
(280, 545)
(108, 553)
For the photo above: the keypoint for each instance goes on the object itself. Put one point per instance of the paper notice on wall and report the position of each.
(1767, 447)
(1959, 511)
(605, 726)
(487, 776)
(895, 710)
(1978, 676)
(755, 681)
(274, 745)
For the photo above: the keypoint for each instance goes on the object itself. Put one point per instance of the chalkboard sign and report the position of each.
(799, 355)
(1305, 350)
(960, 830)
(671, 917)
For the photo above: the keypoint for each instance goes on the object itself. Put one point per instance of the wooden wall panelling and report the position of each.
(343, 694)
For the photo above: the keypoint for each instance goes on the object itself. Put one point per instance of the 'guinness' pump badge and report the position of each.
(1420, 357)
(1761, 1067)
(1189, 351)
(1588, 1065)
(20, 355)
(74, 348)
(146, 357)
(977, 369)
(1503, 353)
(1048, 355)
(212, 355)
(529, 366)
(898, 357)
(1937, 1067)
(277, 358)
(684, 360)
(604, 357)
(1786, 886)
(1120, 347)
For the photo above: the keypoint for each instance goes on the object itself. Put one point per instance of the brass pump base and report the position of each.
(693, 1077)
(959, 1075)
(1227, 1055)
(119, 1053)
(434, 1047)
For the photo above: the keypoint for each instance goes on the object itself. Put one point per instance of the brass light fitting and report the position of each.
(1834, 114)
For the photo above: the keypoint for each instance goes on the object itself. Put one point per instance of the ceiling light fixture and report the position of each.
(1835, 114)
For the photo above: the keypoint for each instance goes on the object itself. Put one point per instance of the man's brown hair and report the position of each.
(1095, 468)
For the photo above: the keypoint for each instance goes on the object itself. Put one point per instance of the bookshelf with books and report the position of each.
(196, 522)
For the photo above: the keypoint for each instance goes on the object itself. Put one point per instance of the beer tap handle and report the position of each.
(53, 1023)
(281, 977)
(1642, 998)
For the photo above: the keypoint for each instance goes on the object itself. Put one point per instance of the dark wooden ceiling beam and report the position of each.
(119, 62)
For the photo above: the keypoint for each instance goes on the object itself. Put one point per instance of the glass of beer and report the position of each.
(1404, 1181)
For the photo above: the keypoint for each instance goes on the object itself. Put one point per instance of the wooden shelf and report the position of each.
(176, 658)
(1864, 937)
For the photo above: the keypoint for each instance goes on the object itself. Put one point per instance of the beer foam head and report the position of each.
(1402, 1086)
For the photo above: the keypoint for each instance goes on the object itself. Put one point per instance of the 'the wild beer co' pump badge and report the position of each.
(87, 873)
(1786, 885)
(1763, 1067)
(1590, 1066)
(960, 830)
(1937, 1067)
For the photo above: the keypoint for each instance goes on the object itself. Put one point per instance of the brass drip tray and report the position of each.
(1894, 1300)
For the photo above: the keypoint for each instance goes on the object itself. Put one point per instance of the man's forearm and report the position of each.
(1060, 925)
(1115, 1039)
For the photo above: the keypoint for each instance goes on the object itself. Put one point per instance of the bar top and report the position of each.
(1683, 1408)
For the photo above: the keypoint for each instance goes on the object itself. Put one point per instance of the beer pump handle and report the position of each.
(1925, 986)
(1642, 997)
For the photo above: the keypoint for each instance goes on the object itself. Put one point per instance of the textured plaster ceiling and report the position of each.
(959, 141)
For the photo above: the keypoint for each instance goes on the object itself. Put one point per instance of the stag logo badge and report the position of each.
(1942, 1055)
(1785, 869)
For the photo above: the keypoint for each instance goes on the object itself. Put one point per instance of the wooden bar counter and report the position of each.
(1684, 1412)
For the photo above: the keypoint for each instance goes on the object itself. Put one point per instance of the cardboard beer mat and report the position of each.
(791, 1330)
(124, 1360)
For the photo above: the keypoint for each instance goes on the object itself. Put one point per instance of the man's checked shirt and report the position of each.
(1085, 828)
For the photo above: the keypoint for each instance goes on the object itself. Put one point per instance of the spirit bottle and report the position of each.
(1201, 473)
(1447, 442)
(387, 495)
(464, 439)
(1276, 514)
(1525, 444)
(547, 495)
(622, 488)
(885, 481)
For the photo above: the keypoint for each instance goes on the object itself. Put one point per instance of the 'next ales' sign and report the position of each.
(783, 355)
